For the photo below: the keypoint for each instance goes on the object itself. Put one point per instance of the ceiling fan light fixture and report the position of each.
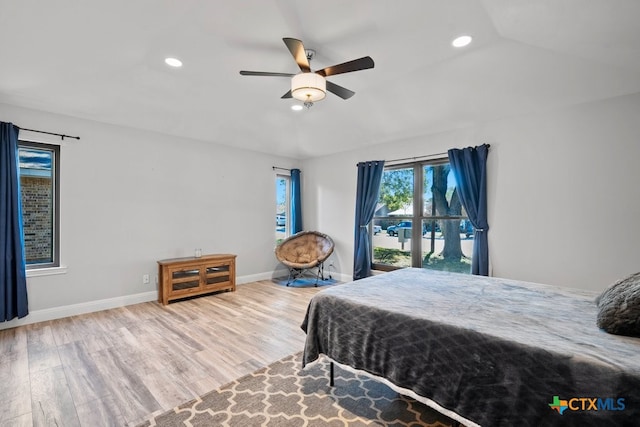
(308, 87)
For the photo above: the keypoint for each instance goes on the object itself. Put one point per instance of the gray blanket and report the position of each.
(494, 351)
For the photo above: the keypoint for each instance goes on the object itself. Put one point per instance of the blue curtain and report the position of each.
(13, 277)
(296, 202)
(469, 166)
(367, 191)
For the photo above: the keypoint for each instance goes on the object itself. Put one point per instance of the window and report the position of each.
(420, 221)
(283, 207)
(39, 186)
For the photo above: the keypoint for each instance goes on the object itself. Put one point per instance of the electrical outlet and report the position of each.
(145, 279)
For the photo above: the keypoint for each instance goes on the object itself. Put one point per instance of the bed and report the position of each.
(485, 351)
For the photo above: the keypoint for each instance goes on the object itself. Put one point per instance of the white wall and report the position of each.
(564, 194)
(564, 202)
(130, 198)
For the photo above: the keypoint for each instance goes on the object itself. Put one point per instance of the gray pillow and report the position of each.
(619, 307)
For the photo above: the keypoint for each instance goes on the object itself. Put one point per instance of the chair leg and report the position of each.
(331, 382)
(320, 273)
(294, 273)
(291, 273)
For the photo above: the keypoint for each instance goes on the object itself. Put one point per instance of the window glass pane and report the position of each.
(392, 233)
(445, 246)
(440, 197)
(392, 247)
(445, 238)
(37, 185)
(396, 192)
(282, 207)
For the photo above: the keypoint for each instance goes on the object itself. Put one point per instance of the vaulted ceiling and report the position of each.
(104, 61)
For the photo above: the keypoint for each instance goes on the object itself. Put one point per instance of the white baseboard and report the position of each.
(81, 308)
(261, 276)
(105, 304)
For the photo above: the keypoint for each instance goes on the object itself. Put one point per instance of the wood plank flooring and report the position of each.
(117, 367)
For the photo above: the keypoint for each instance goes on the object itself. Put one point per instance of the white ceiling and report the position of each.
(103, 61)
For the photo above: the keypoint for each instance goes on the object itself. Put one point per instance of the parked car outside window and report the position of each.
(392, 230)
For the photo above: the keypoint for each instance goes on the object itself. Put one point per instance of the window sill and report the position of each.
(37, 272)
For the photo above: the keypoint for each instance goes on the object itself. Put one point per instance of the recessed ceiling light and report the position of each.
(173, 62)
(296, 107)
(461, 41)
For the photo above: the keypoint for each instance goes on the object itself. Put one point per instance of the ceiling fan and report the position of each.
(311, 86)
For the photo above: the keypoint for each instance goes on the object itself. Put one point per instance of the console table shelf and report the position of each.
(189, 276)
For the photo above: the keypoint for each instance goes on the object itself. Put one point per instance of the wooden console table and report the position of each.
(185, 277)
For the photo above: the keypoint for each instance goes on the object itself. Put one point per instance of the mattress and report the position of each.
(496, 352)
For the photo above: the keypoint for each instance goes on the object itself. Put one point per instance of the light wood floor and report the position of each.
(117, 367)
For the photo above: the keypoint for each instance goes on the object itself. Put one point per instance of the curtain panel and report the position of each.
(367, 192)
(296, 202)
(13, 277)
(469, 166)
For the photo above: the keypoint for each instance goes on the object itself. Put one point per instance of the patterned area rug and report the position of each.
(284, 395)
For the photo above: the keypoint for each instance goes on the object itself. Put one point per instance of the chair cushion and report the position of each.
(305, 249)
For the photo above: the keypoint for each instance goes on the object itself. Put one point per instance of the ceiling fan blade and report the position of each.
(347, 67)
(342, 92)
(265, 73)
(286, 95)
(296, 48)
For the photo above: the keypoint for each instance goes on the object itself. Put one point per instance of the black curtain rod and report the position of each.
(51, 133)
(415, 158)
(282, 169)
(422, 157)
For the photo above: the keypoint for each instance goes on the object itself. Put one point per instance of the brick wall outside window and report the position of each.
(37, 215)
